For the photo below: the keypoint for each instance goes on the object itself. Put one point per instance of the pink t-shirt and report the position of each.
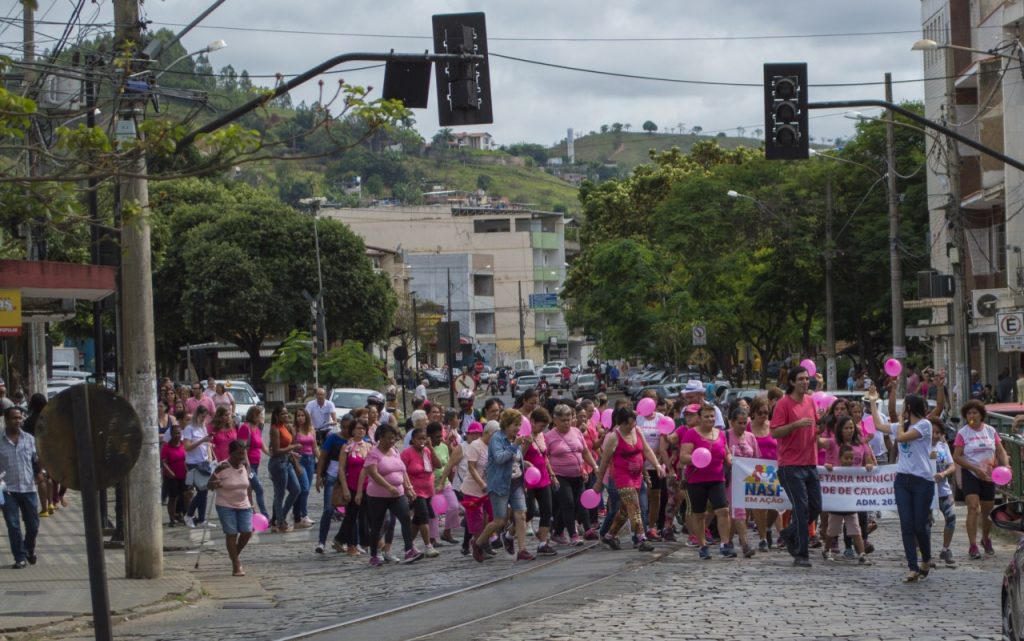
(175, 459)
(799, 447)
(565, 451)
(307, 441)
(420, 469)
(221, 441)
(628, 461)
(390, 467)
(476, 455)
(222, 400)
(191, 403)
(832, 453)
(253, 438)
(234, 489)
(354, 464)
(768, 446)
(979, 444)
(745, 446)
(713, 471)
(537, 454)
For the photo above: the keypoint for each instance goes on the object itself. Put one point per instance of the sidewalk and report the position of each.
(56, 589)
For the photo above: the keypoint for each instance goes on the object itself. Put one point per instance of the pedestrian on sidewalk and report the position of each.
(172, 464)
(308, 454)
(198, 456)
(234, 506)
(284, 468)
(18, 460)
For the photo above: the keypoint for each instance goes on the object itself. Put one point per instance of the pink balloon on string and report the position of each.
(666, 426)
(595, 418)
(701, 457)
(893, 367)
(809, 365)
(646, 406)
(439, 503)
(531, 476)
(606, 418)
(525, 429)
(1002, 475)
(867, 426)
(590, 499)
(260, 523)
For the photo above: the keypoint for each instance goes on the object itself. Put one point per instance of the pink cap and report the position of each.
(475, 428)
(693, 408)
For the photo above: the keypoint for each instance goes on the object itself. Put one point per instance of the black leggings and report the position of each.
(539, 497)
(353, 526)
(569, 509)
(377, 508)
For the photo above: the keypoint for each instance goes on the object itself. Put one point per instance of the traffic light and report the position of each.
(785, 110)
(463, 87)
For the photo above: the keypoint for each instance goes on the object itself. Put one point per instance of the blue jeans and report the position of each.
(308, 464)
(284, 478)
(197, 508)
(613, 507)
(801, 485)
(328, 513)
(914, 505)
(27, 504)
(257, 489)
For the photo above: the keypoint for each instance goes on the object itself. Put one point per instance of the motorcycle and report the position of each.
(502, 385)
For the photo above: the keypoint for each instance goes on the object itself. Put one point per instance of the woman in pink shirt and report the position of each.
(231, 481)
(760, 427)
(250, 433)
(351, 460)
(420, 462)
(388, 489)
(571, 462)
(222, 428)
(305, 436)
(707, 484)
(741, 443)
(626, 450)
(538, 494)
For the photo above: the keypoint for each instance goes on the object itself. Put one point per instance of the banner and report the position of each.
(755, 485)
(10, 312)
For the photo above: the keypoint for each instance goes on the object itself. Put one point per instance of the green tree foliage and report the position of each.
(649, 126)
(293, 360)
(531, 150)
(484, 182)
(350, 365)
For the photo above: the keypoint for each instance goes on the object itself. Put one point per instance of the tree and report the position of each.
(293, 359)
(350, 365)
(616, 127)
(604, 129)
(650, 127)
(627, 126)
(484, 182)
(442, 138)
(740, 131)
(696, 129)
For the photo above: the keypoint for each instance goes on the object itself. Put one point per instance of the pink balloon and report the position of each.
(1002, 475)
(893, 367)
(646, 406)
(701, 457)
(666, 425)
(595, 418)
(809, 365)
(606, 418)
(525, 429)
(590, 499)
(439, 503)
(260, 522)
(818, 396)
(531, 476)
(867, 426)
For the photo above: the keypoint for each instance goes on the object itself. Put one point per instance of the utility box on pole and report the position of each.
(463, 87)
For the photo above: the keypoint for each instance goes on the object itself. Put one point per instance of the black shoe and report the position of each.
(32, 559)
(510, 542)
(18, 565)
(789, 536)
(465, 551)
(802, 562)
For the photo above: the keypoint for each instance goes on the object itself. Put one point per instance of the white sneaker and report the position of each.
(190, 522)
(209, 524)
(306, 521)
(391, 558)
(430, 552)
(319, 548)
(529, 531)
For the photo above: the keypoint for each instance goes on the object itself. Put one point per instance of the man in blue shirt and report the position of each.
(18, 462)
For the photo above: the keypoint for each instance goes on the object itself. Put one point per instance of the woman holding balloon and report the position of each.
(570, 461)
(647, 421)
(420, 462)
(538, 479)
(977, 450)
(704, 452)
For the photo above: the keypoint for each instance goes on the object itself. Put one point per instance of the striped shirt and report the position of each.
(16, 461)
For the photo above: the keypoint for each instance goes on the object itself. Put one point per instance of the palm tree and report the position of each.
(627, 126)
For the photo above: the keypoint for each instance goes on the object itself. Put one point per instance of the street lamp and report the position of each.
(926, 44)
(213, 46)
(732, 193)
(321, 313)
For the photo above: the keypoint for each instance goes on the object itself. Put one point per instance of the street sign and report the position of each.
(700, 335)
(10, 312)
(544, 300)
(1010, 329)
(899, 351)
(700, 356)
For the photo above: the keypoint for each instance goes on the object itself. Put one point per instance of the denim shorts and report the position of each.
(516, 498)
(235, 520)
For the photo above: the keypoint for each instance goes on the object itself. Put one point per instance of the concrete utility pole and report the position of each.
(144, 535)
(957, 250)
(522, 325)
(830, 322)
(899, 348)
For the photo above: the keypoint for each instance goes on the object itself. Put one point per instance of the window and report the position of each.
(484, 323)
(483, 285)
(524, 224)
(491, 225)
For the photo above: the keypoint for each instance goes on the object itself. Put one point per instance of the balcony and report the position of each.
(544, 336)
(544, 240)
(547, 274)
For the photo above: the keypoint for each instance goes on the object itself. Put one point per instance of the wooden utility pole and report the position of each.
(144, 534)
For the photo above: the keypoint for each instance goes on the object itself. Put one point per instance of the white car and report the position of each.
(244, 395)
(346, 399)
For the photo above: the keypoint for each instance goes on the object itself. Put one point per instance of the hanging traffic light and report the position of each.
(785, 111)
(463, 87)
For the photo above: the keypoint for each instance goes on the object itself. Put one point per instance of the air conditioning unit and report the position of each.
(985, 303)
(932, 284)
(61, 94)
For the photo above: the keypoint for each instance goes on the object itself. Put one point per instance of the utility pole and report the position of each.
(99, 369)
(448, 352)
(144, 533)
(957, 251)
(522, 325)
(830, 323)
(415, 339)
(899, 348)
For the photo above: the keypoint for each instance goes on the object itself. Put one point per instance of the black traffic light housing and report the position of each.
(785, 110)
(463, 88)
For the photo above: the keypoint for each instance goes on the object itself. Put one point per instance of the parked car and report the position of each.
(734, 393)
(664, 391)
(243, 394)
(1010, 516)
(346, 399)
(586, 386)
(524, 383)
(644, 379)
(435, 377)
(552, 373)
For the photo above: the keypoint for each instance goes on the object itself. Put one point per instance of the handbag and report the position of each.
(337, 494)
(199, 476)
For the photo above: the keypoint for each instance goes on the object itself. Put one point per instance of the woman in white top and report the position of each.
(977, 450)
(915, 481)
(197, 450)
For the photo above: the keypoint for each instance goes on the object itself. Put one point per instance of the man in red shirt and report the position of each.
(793, 425)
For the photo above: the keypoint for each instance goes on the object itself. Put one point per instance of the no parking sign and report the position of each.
(1010, 328)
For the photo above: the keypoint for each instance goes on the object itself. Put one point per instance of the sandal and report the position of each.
(238, 572)
(912, 577)
(925, 566)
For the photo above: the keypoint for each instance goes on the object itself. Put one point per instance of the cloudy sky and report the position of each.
(725, 41)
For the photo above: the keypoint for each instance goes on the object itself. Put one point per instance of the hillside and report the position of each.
(629, 149)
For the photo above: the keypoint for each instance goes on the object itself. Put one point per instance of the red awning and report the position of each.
(49, 279)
